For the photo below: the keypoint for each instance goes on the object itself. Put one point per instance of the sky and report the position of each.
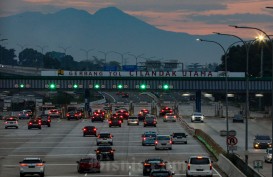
(197, 17)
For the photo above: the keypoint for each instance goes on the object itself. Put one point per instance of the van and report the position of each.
(199, 166)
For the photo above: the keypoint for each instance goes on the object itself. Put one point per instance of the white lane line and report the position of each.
(217, 172)
(130, 173)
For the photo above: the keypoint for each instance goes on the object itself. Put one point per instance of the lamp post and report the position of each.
(87, 52)
(122, 56)
(226, 82)
(253, 28)
(42, 48)
(64, 48)
(136, 56)
(247, 45)
(105, 55)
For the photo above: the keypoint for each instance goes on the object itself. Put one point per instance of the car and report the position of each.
(150, 121)
(29, 112)
(169, 117)
(97, 117)
(268, 155)
(124, 114)
(238, 118)
(197, 116)
(88, 164)
(165, 110)
(80, 113)
(152, 163)
(32, 165)
(34, 123)
(199, 166)
(141, 115)
(163, 142)
(104, 138)
(105, 153)
(11, 122)
(132, 120)
(23, 115)
(161, 173)
(54, 113)
(100, 112)
(89, 130)
(262, 142)
(148, 138)
(179, 137)
(125, 95)
(114, 121)
(45, 119)
(73, 115)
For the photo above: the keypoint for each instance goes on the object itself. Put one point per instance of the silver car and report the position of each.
(32, 166)
(11, 122)
(169, 117)
(104, 138)
(163, 142)
(268, 156)
(132, 120)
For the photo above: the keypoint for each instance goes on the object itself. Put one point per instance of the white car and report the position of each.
(104, 138)
(163, 142)
(199, 166)
(169, 117)
(11, 122)
(32, 166)
(197, 116)
(132, 120)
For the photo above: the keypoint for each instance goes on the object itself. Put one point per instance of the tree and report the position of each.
(7, 56)
(50, 62)
(30, 57)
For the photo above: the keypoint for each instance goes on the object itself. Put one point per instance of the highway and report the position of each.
(63, 144)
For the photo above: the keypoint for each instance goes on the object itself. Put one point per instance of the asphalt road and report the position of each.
(62, 144)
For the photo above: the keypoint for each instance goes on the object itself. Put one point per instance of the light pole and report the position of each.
(105, 55)
(136, 56)
(87, 52)
(64, 48)
(247, 46)
(122, 56)
(42, 48)
(253, 28)
(226, 83)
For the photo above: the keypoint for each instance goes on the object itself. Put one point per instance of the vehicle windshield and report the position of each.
(179, 134)
(150, 135)
(32, 161)
(197, 114)
(104, 135)
(150, 118)
(198, 161)
(132, 118)
(163, 138)
(104, 149)
(263, 137)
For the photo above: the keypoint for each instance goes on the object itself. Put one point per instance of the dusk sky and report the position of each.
(190, 16)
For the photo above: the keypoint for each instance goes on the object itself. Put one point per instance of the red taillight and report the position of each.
(97, 151)
(144, 138)
(23, 165)
(27, 114)
(189, 166)
(30, 123)
(110, 121)
(39, 123)
(84, 129)
(39, 164)
(147, 164)
(111, 151)
(48, 120)
(94, 129)
(67, 114)
(156, 142)
(171, 142)
(119, 122)
(210, 166)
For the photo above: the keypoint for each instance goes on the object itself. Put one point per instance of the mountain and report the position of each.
(109, 29)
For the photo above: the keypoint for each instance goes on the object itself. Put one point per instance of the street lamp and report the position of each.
(64, 48)
(226, 81)
(86, 52)
(42, 48)
(247, 45)
(136, 56)
(122, 56)
(253, 28)
(105, 55)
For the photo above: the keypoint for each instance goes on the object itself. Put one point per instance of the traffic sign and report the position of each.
(232, 140)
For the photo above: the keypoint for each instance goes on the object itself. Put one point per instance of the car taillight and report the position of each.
(119, 122)
(144, 138)
(94, 129)
(171, 142)
(210, 166)
(162, 164)
(67, 114)
(147, 164)
(48, 120)
(39, 123)
(84, 129)
(30, 123)
(97, 151)
(16, 122)
(27, 114)
(39, 164)
(175, 117)
(189, 166)
(23, 164)
(6, 122)
(156, 142)
(111, 151)
(110, 121)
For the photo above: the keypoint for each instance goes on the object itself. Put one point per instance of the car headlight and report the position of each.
(256, 145)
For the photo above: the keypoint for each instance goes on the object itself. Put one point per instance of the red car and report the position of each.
(123, 114)
(89, 130)
(165, 110)
(141, 115)
(115, 120)
(99, 113)
(88, 164)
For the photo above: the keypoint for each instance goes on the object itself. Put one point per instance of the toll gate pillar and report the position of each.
(198, 101)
